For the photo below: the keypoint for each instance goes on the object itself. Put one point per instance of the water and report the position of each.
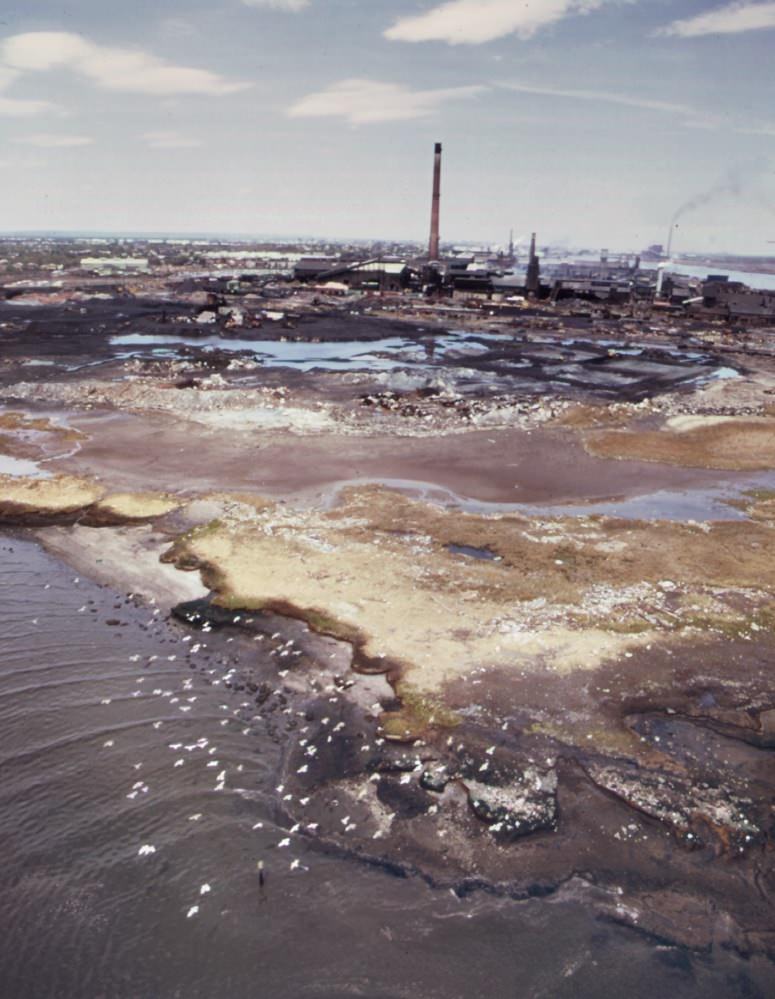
(680, 505)
(469, 551)
(303, 356)
(765, 282)
(87, 718)
(21, 466)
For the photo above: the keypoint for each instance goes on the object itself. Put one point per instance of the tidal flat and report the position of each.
(574, 732)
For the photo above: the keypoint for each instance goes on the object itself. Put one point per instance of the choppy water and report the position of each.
(87, 718)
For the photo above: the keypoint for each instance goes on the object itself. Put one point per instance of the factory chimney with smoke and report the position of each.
(433, 245)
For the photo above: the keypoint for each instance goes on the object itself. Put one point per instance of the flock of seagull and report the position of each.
(183, 698)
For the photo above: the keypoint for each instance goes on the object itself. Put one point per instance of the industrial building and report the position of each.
(732, 300)
(479, 272)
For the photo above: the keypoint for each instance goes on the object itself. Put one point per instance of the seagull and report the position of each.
(283, 843)
(195, 818)
(108, 744)
(145, 850)
(204, 889)
(192, 911)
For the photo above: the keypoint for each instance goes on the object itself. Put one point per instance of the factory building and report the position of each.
(360, 275)
(311, 268)
(732, 299)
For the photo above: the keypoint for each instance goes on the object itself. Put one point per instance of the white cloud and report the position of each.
(46, 140)
(291, 5)
(15, 106)
(729, 20)
(365, 101)
(605, 97)
(473, 22)
(170, 140)
(129, 70)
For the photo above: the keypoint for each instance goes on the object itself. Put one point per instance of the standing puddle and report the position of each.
(302, 355)
(21, 466)
(485, 554)
(682, 506)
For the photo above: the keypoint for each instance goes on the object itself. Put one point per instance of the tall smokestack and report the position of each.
(433, 245)
(673, 227)
(533, 276)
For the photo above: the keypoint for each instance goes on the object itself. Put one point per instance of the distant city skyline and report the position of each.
(593, 122)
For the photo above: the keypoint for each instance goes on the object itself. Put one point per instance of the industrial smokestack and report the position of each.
(673, 227)
(433, 245)
(533, 276)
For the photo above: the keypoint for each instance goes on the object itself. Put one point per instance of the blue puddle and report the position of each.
(301, 355)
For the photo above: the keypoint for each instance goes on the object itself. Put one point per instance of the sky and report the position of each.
(596, 123)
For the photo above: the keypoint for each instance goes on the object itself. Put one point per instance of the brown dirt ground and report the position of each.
(739, 444)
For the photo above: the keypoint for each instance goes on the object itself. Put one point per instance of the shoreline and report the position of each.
(499, 694)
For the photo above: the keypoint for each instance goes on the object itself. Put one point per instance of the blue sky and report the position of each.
(591, 121)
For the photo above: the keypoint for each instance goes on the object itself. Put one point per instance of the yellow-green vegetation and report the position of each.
(418, 713)
(136, 506)
(24, 498)
(15, 421)
(617, 740)
(568, 593)
(588, 416)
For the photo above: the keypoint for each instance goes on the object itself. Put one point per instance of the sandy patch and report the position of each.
(691, 421)
(267, 418)
(124, 557)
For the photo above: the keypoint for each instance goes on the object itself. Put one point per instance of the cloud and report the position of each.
(762, 129)
(19, 108)
(14, 106)
(605, 97)
(170, 140)
(362, 102)
(291, 5)
(730, 20)
(128, 70)
(473, 22)
(45, 140)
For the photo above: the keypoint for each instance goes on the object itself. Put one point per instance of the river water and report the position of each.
(137, 796)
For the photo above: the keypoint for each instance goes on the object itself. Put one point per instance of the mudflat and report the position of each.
(533, 694)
